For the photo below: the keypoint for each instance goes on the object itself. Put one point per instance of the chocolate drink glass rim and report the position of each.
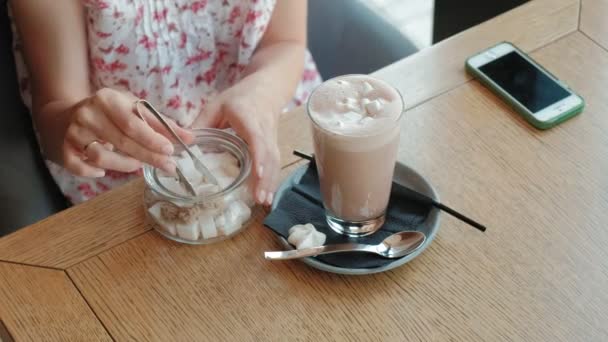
(355, 228)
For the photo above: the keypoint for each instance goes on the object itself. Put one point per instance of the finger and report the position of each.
(185, 134)
(252, 133)
(80, 138)
(72, 161)
(260, 171)
(118, 108)
(257, 149)
(151, 121)
(99, 156)
(108, 146)
(105, 129)
(222, 124)
(271, 171)
(274, 180)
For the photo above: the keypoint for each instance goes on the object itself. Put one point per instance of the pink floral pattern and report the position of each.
(176, 54)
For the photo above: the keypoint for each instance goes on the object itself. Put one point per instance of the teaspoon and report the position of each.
(394, 246)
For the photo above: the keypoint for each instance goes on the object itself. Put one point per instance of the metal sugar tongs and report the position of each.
(198, 164)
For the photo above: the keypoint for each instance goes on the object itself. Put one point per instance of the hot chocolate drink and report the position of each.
(356, 136)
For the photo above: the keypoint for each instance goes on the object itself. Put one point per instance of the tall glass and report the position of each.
(356, 165)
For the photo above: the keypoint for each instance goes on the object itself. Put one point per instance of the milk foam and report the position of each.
(355, 105)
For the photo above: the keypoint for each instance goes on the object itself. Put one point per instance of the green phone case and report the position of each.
(518, 107)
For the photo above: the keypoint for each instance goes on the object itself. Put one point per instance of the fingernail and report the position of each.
(167, 149)
(261, 196)
(109, 146)
(269, 198)
(100, 173)
(169, 166)
(260, 171)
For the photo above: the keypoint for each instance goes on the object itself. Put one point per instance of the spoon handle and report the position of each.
(313, 251)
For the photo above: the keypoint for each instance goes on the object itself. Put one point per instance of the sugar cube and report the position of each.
(308, 227)
(220, 221)
(155, 212)
(231, 223)
(305, 236)
(207, 189)
(172, 184)
(215, 160)
(240, 210)
(299, 232)
(188, 231)
(224, 181)
(313, 239)
(207, 226)
(186, 166)
(231, 170)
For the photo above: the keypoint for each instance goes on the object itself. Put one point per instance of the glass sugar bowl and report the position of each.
(217, 212)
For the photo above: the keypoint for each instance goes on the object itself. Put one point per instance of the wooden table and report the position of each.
(97, 271)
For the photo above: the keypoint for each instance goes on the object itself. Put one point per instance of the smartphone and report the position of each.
(532, 91)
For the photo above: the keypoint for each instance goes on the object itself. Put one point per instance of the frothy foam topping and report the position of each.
(355, 105)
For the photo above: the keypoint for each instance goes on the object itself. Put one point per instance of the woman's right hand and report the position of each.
(105, 133)
(82, 134)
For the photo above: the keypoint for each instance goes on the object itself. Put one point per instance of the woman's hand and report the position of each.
(246, 107)
(253, 105)
(77, 129)
(106, 121)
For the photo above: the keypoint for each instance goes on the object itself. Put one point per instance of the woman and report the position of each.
(203, 63)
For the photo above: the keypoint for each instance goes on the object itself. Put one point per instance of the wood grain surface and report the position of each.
(594, 20)
(440, 67)
(38, 304)
(154, 289)
(538, 274)
(5, 336)
(79, 232)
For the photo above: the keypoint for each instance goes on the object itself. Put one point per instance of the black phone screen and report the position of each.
(523, 81)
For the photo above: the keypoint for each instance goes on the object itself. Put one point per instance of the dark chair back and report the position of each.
(346, 37)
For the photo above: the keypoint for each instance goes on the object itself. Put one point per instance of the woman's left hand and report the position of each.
(253, 105)
(251, 111)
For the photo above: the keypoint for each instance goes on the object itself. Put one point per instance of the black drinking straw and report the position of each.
(422, 198)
